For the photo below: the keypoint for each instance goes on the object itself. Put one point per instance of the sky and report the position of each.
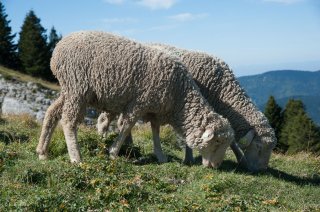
(252, 36)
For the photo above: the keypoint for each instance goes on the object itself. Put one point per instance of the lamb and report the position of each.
(103, 123)
(117, 75)
(219, 86)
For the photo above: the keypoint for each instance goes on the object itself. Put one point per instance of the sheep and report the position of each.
(218, 85)
(118, 75)
(103, 123)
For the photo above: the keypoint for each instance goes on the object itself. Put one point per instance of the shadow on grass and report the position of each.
(231, 166)
(314, 180)
(151, 159)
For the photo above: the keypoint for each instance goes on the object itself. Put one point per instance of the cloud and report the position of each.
(157, 4)
(183, 17)
(117, 2)
(120, 20)
(284, 1)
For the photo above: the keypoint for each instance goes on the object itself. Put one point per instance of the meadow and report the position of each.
(136, 182)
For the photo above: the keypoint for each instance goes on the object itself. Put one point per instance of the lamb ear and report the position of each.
(245, 141)
(207, 135)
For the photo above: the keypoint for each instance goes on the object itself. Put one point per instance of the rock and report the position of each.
(88, 121)
(30, 84)
(39, 99)
(47, 102)
(91, 113)
(13, 106)
(28, 98)
(40, 115)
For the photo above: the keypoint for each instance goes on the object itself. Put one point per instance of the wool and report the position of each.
(118, 75)
(221, 89)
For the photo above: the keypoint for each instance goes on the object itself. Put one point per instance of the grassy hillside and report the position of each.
(139, 183)
(12, 74)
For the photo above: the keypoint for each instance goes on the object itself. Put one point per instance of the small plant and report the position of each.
(33, 177)
(6, 137)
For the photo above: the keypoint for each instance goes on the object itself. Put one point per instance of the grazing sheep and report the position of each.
(221, 89)
(105, 119)
(118, 75)
(103, 125)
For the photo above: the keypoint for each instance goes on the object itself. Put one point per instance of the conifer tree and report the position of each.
(54, 38)
(274, 115)
(32, 47)
(299, 132)
(8, 55)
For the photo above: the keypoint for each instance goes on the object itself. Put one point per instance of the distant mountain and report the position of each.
(285, 84)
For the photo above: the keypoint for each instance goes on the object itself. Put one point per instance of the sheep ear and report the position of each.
(207, 135)
(245, 141)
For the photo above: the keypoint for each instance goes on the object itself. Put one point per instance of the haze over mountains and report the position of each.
(283, 85)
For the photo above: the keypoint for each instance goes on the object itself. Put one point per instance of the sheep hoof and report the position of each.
(112, 156)
(113, 153)
(75, 161)
(188, 161)
(162, 159)
(43, 157)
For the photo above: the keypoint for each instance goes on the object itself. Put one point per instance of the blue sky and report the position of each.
(252, 36)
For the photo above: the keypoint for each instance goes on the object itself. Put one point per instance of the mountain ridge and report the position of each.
(283, 85)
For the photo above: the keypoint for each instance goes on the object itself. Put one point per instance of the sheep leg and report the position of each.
(128, 140)
(157, 150)
(73, 112)
(124, 132)
(52, 116)
(239, 154)
(188, 157)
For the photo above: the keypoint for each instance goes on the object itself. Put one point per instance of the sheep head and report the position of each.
(103, 123)
(256, 150)
(211, 144)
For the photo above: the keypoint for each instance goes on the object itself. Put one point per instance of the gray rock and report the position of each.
(47, 102)
(39, 99)
(28, 98)
(14, 106)
(30, 84)
(89, 121)
(40, 115)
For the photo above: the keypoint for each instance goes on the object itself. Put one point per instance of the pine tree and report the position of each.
(299, 131)
(274, 115)
(291, 110)
(32, 47)
(54, 38)
(8, 55)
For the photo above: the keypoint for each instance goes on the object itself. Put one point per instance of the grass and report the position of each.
(292, 183)
(12, 74)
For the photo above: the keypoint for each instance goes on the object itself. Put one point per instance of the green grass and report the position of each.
(12, 74)
(130, 183)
